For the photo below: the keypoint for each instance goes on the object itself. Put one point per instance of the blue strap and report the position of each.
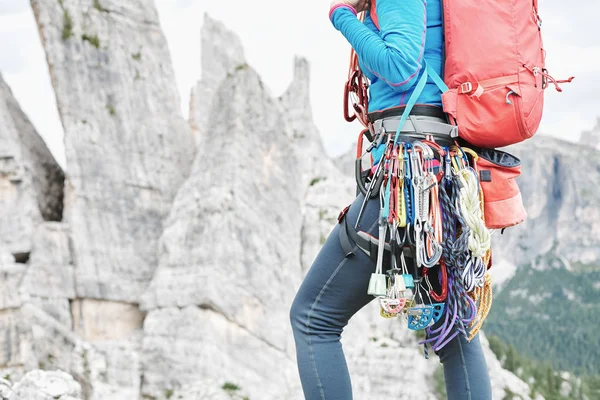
(436, 78)
(428, 71)
(411, 102)
(385, 213)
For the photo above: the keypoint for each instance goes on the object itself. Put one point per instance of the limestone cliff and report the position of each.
(128, 148)
(227, 55)
(558, 183)
(31, 181)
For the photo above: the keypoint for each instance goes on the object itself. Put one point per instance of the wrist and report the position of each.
(341, 5)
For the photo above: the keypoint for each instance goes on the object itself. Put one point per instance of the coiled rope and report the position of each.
(480, 239)
(483, 298)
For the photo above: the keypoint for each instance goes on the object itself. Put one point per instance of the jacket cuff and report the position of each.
(341, 5)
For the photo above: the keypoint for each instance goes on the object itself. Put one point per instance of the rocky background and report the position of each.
(163, 262)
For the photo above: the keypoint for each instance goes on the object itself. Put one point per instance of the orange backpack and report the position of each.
(494, 69)
(493, 90)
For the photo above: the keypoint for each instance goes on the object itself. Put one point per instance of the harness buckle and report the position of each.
(466, 87)
(454, 131)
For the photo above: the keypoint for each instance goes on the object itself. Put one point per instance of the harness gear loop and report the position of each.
(361, 176)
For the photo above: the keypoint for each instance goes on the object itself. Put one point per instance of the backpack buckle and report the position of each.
(466, 87)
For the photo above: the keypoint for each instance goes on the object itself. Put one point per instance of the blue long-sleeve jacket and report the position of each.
(392, 58)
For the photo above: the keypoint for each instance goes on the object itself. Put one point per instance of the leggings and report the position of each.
(334, 289)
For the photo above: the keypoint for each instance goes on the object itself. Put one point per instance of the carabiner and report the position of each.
(442, 296)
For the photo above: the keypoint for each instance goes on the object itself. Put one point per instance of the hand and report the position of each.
(359, 5)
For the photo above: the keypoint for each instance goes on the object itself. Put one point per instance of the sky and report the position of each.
(273, 32)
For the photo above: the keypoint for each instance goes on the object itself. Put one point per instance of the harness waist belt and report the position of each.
(418, 109)
(419, 124)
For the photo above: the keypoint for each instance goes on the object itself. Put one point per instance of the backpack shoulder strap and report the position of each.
(436, 78)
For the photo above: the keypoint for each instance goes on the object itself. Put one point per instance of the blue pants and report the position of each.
(334, 289)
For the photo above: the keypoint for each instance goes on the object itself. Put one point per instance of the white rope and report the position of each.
(473, 275)
(480, 239)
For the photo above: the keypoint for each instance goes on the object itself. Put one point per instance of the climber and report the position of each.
(417, 237)
(335, 287)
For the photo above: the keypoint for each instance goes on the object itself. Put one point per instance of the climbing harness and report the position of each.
(431, 210)
(431, 213)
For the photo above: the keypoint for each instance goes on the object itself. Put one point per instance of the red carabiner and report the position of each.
(347, 115)
(442, 296)
(357, 84)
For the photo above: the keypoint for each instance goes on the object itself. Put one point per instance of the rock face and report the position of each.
(128, 148)
(208, 390)
(561, 203)
(48, 281)
(42, 385)
(31, 191)
(326, 189)
(227, 54)
(37, 314)
(302, 130)
(73, 306)
(31, 182)
(10, 303)
(558, 184)
(554, 258)
(228, 261)
(592, 137)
